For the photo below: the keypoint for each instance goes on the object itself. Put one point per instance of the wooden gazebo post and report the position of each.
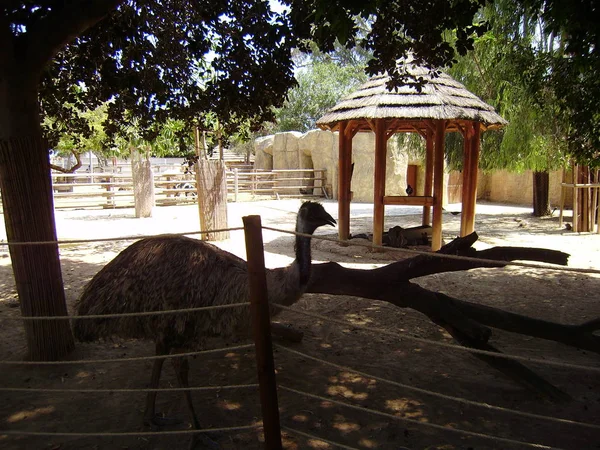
(438, 184)
(469, 189)
(344, 169)
(428, 174)
(381, 139)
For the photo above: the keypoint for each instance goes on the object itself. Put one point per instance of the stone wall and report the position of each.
(319, 150)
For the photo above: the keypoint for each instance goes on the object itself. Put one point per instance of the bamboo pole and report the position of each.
(261, 324)
(379, 181)
(438, 184)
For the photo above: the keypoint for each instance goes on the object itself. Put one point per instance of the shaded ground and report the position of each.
(566, 297)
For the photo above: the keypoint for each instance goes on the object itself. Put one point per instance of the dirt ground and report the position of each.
(564, 297)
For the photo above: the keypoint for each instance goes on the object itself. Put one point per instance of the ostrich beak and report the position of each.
(328, 220)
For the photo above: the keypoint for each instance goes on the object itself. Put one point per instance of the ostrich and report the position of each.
(173, 272)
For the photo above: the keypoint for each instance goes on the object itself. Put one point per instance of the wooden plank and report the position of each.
(438, 183)
(379, 181)
(261, 328)
(428, 189)
(345, 158)
(410, 201)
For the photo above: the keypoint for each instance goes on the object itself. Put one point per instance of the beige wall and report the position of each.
(517, 188)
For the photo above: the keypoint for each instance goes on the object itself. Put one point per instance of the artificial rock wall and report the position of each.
(318, 149)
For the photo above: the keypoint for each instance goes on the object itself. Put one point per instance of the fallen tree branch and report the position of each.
(467, 322)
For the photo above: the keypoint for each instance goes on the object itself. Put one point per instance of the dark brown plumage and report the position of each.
(173, 272)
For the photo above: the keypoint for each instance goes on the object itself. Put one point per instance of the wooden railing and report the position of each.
(115, 190)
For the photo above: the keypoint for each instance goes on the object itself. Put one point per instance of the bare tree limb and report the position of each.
(71, 169)
(467, 322)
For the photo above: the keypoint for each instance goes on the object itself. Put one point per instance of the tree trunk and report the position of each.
(541, 198)
(29, 215)
(211, 185)
(143, 184)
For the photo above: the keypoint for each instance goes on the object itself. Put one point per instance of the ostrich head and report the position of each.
(311, 216)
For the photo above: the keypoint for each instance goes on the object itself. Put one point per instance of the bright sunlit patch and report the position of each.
(344, 426)
(30, 414)
(300, 418)
(367, 443)
(346, 392)
(84, 374)
(318, 444)
(358, 319)
(229, 405)
(408, 407)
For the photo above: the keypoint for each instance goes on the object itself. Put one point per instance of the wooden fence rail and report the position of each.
(115, 190)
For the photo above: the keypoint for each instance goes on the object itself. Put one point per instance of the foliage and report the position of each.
(499, 71)
(321, 84)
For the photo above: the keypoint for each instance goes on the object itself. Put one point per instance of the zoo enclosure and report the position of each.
(172, 187)
(270, 424)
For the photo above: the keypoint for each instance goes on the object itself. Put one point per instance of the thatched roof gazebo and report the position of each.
(442, 105)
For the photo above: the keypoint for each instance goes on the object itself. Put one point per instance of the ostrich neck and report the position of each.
(303, 256)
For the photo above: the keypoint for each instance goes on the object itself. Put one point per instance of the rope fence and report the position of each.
(439, 394)
(404, 335)
(415, 422)
(126, 359)
(441, 344)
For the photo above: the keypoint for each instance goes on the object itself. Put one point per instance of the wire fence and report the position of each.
(295, 353)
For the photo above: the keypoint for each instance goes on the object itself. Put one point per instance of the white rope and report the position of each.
(311, 436)
(441, 344)
(121, 238)
(134, 314)
(133, 358)
(125, 434)
(349, 243)
(93, 391)
(438, 394)
(416, 422)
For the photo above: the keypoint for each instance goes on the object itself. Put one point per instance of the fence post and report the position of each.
(261, 325)
(235, 184)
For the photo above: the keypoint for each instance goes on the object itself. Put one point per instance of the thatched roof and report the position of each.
(441, 97)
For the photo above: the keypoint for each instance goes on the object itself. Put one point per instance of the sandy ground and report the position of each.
(564, 297)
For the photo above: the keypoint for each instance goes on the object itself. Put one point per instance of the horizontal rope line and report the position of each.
(442, 344)
(312, 436)
(125, 433)
(133, 358)
(121, 238)
(438, 255)
(135, 314)
(440, 395)
(87, 391)
(416, 422)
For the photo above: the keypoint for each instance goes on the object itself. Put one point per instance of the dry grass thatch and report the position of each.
(441, 97)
